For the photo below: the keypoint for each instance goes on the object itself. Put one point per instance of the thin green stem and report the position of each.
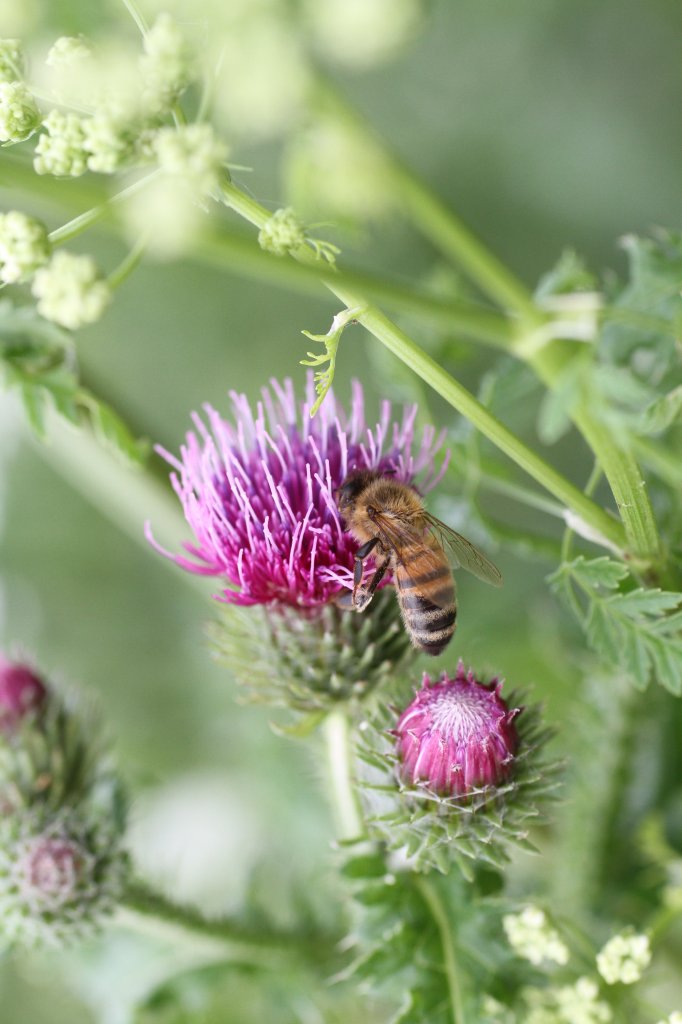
(432, 900)
(128, 264)
(83, 221)
(137, 16)
(231, 250)
(447, 233)
(347, 810)
(594, 517)
(440, 224)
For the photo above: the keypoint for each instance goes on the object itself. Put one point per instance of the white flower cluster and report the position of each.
(192, 152)
(61, 151)
(283, 233)
(68, 50)
(531, 936)
(24, 246)
(166, 65)
(70, 290)
(19, 115)
(11, 60)
(674, 1018)
(570, 1004)
(624, 958)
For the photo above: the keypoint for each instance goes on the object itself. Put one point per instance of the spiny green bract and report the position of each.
(435, 832)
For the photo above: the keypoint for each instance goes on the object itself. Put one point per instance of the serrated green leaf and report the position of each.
(661, 414)
(33, 400)
(369, 866)
(644, 602)
(569, 275)
(667, 659)
(598, 572)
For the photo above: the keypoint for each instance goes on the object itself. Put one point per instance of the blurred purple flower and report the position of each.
(21, 692)
(50, 870)
(258, 492)
(457, 735)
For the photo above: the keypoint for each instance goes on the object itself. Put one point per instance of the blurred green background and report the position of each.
(545, 125)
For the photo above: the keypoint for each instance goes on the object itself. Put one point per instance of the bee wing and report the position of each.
(464, 554)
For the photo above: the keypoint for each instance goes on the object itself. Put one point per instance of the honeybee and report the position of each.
(389, 521)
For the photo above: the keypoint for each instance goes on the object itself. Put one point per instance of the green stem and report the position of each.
(447, 233)
(137, 16)
(595, 518)
(85, 220)
(242, 256)
(347, 810)
(128, 264)
(144, 911)
(440, 224)
(432, 900)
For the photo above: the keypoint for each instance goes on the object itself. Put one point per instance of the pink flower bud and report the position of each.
(50, 871)
(456, 735)
(21, 692)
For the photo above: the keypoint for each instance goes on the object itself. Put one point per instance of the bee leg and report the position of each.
(366, 594)
(360, 556)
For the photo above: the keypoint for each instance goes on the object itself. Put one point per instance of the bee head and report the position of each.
(352, 487)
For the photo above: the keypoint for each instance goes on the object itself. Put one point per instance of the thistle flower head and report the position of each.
(624, 958)
(24, 246)
(462, 777)
(456, 735)
(19, 114)
(61, 149)
(22, 693)
(70, 290)
(258, 491)
(11, 60)
(59, 876)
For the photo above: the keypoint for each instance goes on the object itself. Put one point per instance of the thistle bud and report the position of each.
(456, 735)
(22, 693)
(58, 876)
(462, 777)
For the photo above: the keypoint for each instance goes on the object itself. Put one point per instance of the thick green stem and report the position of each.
(345, 802)
(144, 911)
(432, 900)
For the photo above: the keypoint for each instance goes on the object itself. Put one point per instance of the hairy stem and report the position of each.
(144, 911)
(347, 811)
(432, 900)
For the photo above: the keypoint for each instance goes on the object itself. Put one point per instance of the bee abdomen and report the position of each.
(430, 625)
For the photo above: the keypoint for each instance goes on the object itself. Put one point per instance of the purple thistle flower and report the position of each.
(21, 693)
(258, 492)
(457, 735)
(50, 870)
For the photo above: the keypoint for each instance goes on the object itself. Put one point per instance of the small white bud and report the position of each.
(107, 142)
(282, 234)
(24, 246)
(61, 151)
(11, 60)
(166, 65)
(19, 115)
(67, 51)
(624, 958)
(531, 936)
(359, 33)
(192, 152)
(70, 290)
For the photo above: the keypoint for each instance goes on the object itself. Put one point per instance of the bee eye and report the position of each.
(371, 511)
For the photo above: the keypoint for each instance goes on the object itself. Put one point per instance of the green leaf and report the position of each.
(661, 414)
(632, 630)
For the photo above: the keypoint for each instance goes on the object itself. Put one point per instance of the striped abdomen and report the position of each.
(426, 594)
